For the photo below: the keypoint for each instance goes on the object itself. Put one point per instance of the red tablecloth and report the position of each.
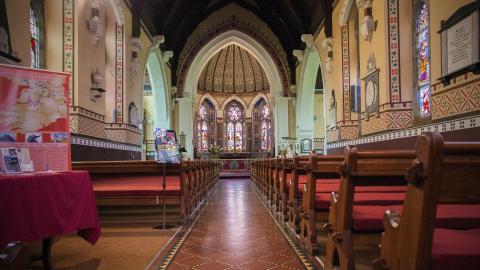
(39, 206)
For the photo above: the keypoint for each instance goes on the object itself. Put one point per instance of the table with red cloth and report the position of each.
(40, 206)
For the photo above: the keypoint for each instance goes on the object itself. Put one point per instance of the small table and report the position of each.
(40, 206)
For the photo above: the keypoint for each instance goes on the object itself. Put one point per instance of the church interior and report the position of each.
(240, 134)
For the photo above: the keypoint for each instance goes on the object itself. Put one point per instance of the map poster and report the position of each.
(167, 149)
(34, 115)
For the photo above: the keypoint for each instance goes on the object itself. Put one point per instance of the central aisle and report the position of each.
(235, 231)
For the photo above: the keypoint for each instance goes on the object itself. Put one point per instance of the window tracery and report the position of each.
(206, 125)
(422, 55)
(234, 126)
(262, 126)
(34, 39)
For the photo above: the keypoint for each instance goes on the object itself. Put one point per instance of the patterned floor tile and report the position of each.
(235, 231)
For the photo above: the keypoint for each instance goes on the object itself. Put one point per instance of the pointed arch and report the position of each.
(230, 99)
(345, 12)
(211, 99)
(256, 99)
(305, 95)
(160, 91)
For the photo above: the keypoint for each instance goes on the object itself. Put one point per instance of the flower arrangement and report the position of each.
(215, 149)
(282, 152)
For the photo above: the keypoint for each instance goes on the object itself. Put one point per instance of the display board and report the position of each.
(166, 146)
(34, 115)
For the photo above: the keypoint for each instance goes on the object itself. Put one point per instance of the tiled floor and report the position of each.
(235, 231)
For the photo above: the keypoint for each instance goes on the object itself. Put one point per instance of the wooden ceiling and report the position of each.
(177, 19)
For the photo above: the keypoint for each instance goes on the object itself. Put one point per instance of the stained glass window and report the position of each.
(34, 39)
(423, 60)
(206, 125)
(262, 126)
(234, 125)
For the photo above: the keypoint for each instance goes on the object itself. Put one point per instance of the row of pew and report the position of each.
(391, 209)
(128, 184)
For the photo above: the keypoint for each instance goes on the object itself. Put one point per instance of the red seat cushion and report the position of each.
(370, 218)
(456, 249)
(322, 185)
(322, 200)
(136, 186)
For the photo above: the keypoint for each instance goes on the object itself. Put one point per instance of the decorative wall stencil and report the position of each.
(388, 120)
(348, 132)
(394, 50)
(85, 122)
(459, 124)
(104, 144)
(458, 98)
(119, 74)
(345, 74)
(122, 133)
(68, 44)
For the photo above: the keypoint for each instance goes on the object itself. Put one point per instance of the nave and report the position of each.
(235, 231)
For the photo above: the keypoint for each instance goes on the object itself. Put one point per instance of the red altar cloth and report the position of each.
(43, 205)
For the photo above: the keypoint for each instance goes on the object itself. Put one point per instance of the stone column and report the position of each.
(185, 122)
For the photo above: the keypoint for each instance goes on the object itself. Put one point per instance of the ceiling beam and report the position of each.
(327, 10)
(301, 12)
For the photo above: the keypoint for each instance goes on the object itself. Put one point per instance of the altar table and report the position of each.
(40, 206)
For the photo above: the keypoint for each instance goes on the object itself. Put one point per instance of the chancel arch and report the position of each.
(200, 60)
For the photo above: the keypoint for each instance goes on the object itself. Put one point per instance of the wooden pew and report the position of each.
(371, 169)
(274, 167)
(442, 173)
(319, 169)
(139, 183)
(279, 188)
(300, 164)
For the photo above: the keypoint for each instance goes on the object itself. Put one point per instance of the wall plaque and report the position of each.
(460, 37)
(371, 88)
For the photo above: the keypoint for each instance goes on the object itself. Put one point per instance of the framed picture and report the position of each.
(166, 147)
(306, 145)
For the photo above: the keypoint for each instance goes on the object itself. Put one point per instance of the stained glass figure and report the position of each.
(206, 125)
(423, 60)
(262, 126)
(34, 40)
(230, 136)
(235, 117)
